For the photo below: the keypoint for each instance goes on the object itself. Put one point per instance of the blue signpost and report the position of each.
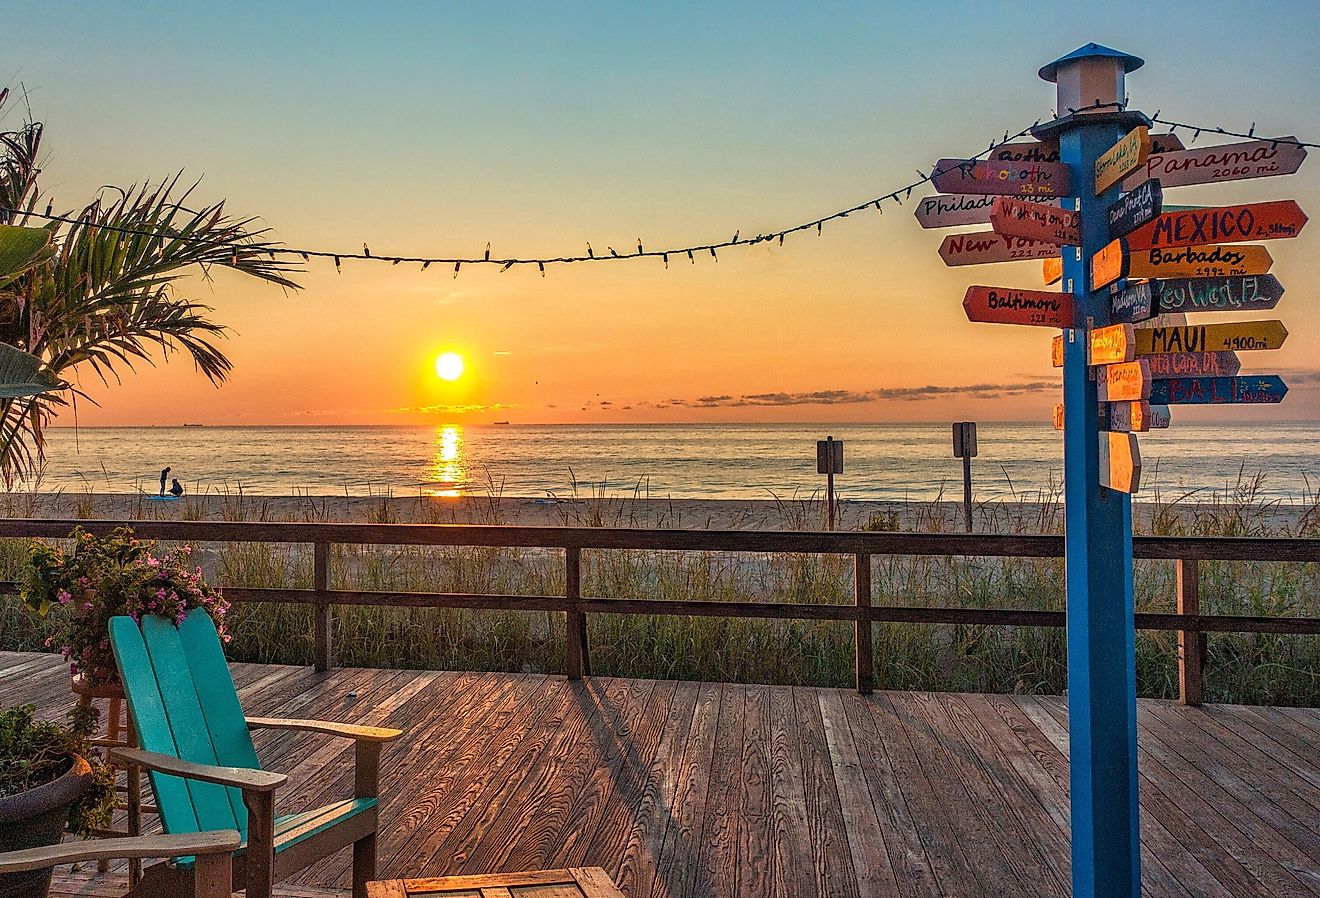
(1102, 701)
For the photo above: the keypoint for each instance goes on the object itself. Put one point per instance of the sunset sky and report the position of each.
(430, 129)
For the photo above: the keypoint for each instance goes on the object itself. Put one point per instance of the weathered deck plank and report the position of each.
(691, 789)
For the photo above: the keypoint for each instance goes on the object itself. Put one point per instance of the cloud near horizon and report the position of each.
(853, 397)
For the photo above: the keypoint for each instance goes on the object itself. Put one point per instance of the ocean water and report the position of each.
(726, 461)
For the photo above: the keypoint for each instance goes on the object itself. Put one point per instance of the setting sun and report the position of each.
(449, 366)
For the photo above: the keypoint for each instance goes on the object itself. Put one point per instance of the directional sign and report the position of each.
(1137, 417)
(1123, 158)
(1194, 364)
(1244, 293)
(1125, 381)
(1111, 344)
(1221, 224)
(1109, 264)
(1006, 305)
(1058, 416)
(1230, 162)
(1056, 351)
(987, 246)
(1232, 337)
(1037, 221)
(1135, 302)
(1260, 388)
(1052, 269)
(1120, 462)
(951, 210)
(1200, 261)
(1000, 178)
(1035, 151)
(1142, 204)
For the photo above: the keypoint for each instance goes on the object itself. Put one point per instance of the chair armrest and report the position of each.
(244, 778)
(347, 730)
(175, 845)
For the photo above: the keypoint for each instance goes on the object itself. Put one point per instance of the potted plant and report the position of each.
(102, 577)
(50, 781)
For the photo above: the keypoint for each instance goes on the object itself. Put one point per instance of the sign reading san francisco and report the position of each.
(1000, 178)
(1006, 305)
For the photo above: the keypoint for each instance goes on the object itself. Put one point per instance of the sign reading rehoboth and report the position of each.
(1006, 305)
(1052, 269)
(951, 210)
(1123, 158)
(987, 246)
(1232, 337)
(1142, 204)
(1135, 302)
(1123, 382)
(1137, 417)
(1000, 178)
(1109, 264)
(1194, 364)
(1230, 162)
(1221, 224)
(1200, 261)
(1036, 221)
(1245, 293)
(1257, 389)
(1109, 345)
(1120, 462)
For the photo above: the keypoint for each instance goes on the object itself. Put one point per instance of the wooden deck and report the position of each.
(710, 789)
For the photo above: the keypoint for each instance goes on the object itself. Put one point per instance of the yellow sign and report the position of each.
(1123, 158)
(1110, 344)
(1210, 337)
(1200, 261)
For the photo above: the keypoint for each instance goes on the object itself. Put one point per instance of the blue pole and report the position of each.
(1102, 711)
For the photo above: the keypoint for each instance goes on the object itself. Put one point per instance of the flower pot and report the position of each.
(38, 817)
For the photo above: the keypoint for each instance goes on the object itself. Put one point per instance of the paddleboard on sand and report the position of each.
(165, 498)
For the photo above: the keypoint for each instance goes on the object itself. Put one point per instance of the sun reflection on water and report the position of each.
(447, 473)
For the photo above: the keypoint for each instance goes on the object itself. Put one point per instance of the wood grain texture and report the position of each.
(676, 789)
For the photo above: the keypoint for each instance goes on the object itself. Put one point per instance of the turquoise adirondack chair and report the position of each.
(204, 771)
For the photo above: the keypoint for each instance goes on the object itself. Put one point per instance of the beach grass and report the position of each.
(1241, 668)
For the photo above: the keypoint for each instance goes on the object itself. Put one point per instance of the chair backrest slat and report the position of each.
(219, 700)
(152, 726)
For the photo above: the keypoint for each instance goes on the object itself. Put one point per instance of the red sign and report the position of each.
(1194, 364)
(1021, 218)
(987, 246)
(1001, 178)
(1005, 305)
(944, 210)
(1230, 162)
(1222, 224)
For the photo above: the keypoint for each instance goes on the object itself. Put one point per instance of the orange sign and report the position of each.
(1222, 224)
(1110, 345)
(1109, 264)
(1120, 462)
(1052, 269)
(1058, 416)
(1123, 382)
(1056, 351)
(1020, 218)
(1200, 261)
(1137, 417)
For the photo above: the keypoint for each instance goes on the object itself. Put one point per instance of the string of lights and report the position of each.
(691, 253)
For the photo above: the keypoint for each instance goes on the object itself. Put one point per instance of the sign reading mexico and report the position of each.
(1005, 178)
(1222, 224)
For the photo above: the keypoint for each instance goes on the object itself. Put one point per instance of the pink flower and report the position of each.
(64, 597)
(88, 606)
(152, 561)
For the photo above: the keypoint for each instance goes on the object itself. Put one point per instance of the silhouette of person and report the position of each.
(163, 475)
(176, 488)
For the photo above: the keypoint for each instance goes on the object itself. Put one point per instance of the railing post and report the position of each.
(1191, 643)
(577, 657)
(862, 626)
(323, 648)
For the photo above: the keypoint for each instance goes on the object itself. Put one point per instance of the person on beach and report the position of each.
(176, 488)
(165, 473)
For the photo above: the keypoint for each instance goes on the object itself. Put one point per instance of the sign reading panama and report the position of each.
(1230, 162)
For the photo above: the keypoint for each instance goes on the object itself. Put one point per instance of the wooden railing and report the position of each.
(1187, 552)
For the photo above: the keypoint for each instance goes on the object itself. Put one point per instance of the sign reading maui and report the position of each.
(1005, 305)
(1000, 178)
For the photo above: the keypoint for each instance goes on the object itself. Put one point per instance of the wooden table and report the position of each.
(578, 882)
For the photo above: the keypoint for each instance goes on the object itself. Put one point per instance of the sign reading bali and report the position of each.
(1257, 389)
(1000, 178)
(1005, 305)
